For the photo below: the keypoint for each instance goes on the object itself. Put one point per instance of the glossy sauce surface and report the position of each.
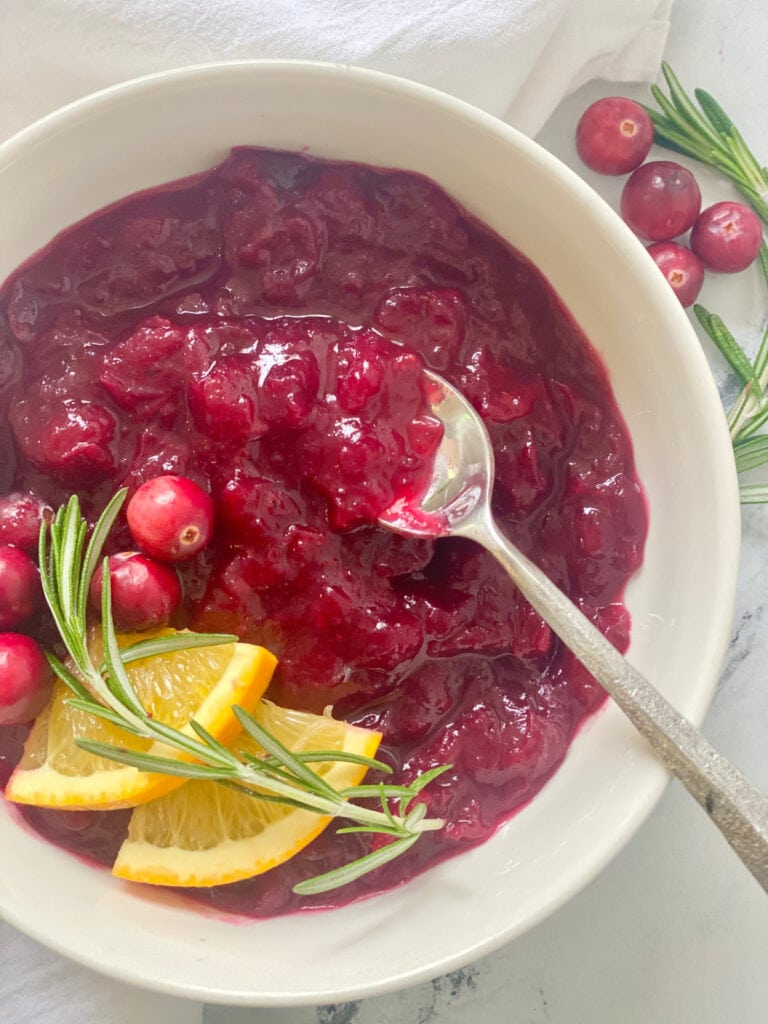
(261, 329)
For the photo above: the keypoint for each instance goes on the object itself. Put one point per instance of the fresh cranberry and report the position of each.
(20, 519)
(614, 135)
(25, 679)
(661, 200)
(145, 593)
(171, 518)
(19, 587)
(682, 269)
(727, 237)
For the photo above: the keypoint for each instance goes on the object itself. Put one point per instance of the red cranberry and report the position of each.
(25, 679)
(19, 587)
(727, 237)
(70, 439)
(20, 519)
(661, 200)
(145, 594)
(682, 269)
(171, 518)
(614, 135)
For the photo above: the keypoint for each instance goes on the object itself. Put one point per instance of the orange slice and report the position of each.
(206, 834)
(202, 682)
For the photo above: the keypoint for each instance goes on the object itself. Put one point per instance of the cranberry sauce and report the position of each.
(239, 329)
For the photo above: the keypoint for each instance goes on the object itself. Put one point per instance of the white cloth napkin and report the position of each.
(515, 58)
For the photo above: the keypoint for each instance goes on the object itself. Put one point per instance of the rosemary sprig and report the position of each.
(105, 691)
(706, 133)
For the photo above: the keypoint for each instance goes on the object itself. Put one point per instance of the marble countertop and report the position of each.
(674, 931)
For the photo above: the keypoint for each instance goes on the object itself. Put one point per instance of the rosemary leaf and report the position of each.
(761, 359)
(168, 644)
(153, 763)
(209, 740)
(69, 678)
(415, 816)
(752, 425)
(116, 678)
(273, 746)
(313, 756)
(730, 349)
(751, 453)
(753, 494)
(95, 545)
(686, 108)
(100, 711)
(714, 113)
(746, 159)
(429, 776)
(373, 792)
(351, 872)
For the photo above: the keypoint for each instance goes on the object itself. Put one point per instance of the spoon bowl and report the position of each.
(456, 503)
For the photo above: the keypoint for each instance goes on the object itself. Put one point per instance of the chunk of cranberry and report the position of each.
(147, 369)
(19, 587)
(21, 516)
(145, 594)
(360, 370)
(660, 201)
(170, 518)
(253, 508)
(69, 439)
(727, 237)
(347, 461)
(289, 384)
(25, 679)
(431, 320)
(681, 268)
(289, 250)
(224, 400)
(614, 135)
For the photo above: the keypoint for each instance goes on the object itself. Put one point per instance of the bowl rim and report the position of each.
(717, 439)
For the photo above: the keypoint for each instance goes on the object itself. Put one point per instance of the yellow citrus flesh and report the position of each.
(201, 682)
(206, 834)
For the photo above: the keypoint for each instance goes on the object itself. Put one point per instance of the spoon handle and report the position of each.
(736, 806)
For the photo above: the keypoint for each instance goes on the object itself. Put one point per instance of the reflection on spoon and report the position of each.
(457, 504)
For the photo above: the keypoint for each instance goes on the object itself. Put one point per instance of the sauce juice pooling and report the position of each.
(261, 329)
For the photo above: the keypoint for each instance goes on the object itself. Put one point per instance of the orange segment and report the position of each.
(201, 682)
(207, 834)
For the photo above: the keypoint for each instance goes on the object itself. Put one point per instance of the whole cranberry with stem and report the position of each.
(25, 679)
(20, 518)
(614, 135)
(727, 237)
(171, 518)
(145, 593)
(682, 269)
(660, 201)
(19, 586)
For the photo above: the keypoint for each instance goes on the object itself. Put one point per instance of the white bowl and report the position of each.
(171, 125)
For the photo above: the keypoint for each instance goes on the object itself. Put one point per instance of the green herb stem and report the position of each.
(706, 133)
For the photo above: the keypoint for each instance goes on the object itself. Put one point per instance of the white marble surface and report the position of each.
(674, 931)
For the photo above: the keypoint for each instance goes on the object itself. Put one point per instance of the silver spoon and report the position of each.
(457, 504)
